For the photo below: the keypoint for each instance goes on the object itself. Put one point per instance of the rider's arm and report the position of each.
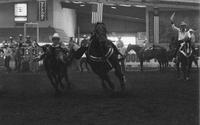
(175, 28)
(172, 23)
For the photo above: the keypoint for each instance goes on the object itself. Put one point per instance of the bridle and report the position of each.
(188, 51)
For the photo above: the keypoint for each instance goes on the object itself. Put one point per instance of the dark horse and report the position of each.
(145, 54)
(56, 67)
(171, 51)
(102, 55)
(185, 57)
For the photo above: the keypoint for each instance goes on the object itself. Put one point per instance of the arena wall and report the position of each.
(64, 18)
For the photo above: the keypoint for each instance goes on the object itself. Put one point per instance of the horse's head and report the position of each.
(99, 33)
(47, 49)
(136, 48)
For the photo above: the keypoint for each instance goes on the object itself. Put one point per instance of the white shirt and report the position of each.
(76, 47)
(192, 36)
(122, 50)
(7, 51)
(181, 35)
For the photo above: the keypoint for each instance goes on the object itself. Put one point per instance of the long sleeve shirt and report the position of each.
(7, 51)
(181, 34)
(192, 37)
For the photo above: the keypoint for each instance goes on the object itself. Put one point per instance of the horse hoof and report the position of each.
(123, 87)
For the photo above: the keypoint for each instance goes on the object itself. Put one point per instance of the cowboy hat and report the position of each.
(28, 36)
(55, 35)
(190, 30)
(10, 37)
(183, 24)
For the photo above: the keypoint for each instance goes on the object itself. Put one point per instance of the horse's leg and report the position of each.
(60, 76)
(184, 69)
(141, 65)
(189, 68)
(107, 79)
(67, 80)
(120, 76)
(160, 65)
(81, 64)
(196, 63)
(178, 70)
(86, 65)
(53, 82)
(104, 85)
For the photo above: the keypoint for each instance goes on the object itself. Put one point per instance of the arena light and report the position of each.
(125, 5)
(140, 6)
(77, 2)
(82, 5)
(113, 7)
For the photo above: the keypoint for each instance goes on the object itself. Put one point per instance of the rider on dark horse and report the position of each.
(19, 53)
(183, 35)
(99, 33)
(57, 44)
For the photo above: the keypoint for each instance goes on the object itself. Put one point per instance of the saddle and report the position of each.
(100, 59)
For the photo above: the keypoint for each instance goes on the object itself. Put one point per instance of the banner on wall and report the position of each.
(42, 10)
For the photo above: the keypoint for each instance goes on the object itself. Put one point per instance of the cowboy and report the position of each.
(20, 40)
(100, 33)
(19, 53)
(7, 53)
(191, 35)
(122, 50)
(58, 44)
(193, 40)
(56, 41)
(182, 34)
(4, 43)
(12, 43)
(119, 43)
(28, 41)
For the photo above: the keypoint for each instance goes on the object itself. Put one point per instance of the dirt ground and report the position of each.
(151, 98)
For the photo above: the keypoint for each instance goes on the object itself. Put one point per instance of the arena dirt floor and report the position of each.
(151, 98)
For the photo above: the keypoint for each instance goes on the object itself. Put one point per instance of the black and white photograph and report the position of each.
(99, 62)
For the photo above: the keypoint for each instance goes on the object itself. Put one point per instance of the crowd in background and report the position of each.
(18, 53)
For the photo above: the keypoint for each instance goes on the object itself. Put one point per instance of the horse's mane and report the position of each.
(99, 33)
(99, 40)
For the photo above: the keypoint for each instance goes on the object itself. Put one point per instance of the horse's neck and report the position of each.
(96, 47)
(136, 49)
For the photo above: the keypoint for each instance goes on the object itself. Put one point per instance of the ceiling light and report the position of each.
(77, 2)
(141, 6)
(113, 7)
(110, 4)
(125, 5)
(82, 5)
